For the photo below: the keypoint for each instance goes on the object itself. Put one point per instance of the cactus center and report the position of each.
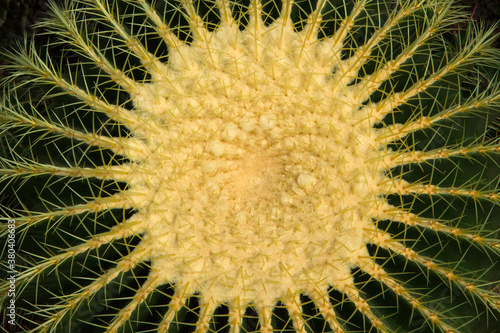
(251, 166)
(262, 174)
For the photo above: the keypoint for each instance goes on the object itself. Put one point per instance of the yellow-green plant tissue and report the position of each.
(244, 166)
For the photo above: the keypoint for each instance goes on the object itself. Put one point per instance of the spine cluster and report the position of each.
(251, 166)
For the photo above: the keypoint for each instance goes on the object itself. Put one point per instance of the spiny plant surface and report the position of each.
(241, 166)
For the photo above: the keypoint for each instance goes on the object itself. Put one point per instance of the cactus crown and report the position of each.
(241, 166)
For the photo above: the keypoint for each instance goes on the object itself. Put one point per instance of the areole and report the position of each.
(308, 166)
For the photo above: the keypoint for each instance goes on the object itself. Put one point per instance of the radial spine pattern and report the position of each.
(241, 166)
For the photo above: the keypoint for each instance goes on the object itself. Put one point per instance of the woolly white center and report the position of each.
(264, 173)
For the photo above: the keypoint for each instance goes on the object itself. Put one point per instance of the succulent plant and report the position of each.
(241, 166)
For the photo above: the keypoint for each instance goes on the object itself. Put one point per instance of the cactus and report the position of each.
(242, 166)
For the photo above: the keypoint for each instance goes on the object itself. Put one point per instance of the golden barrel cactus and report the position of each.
(251, 166)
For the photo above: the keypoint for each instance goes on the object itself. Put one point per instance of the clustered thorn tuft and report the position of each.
(252, 166)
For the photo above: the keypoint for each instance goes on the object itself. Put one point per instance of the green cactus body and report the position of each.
(241, 166)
